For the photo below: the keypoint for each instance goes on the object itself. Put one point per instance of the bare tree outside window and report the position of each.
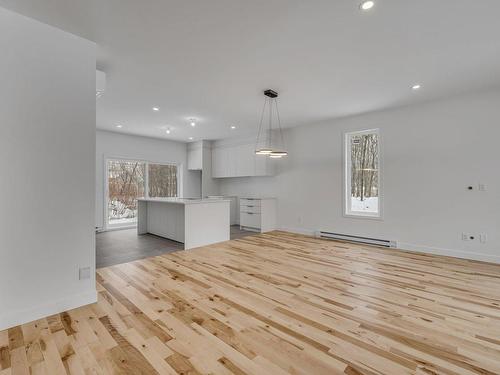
(126, 181)
(363, 173)
(162, 180)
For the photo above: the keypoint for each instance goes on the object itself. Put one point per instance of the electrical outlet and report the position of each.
(84, 273)
(483, 238)
(468, 237)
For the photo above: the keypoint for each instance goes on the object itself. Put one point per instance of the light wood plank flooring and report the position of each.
(123, 246)
(274, 304)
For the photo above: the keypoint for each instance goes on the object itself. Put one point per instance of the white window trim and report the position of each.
(346, 212)
(106, 158)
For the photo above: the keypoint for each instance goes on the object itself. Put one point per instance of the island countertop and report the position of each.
(184, 201)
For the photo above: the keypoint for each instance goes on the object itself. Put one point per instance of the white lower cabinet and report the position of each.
(250, 220)
(258, 214)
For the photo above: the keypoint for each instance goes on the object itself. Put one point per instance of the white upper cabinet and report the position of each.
(263, 165)
(195, 157)
(219, 167)
(239, 161)
(245, 161)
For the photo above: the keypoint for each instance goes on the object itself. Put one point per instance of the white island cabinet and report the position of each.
(194, 222)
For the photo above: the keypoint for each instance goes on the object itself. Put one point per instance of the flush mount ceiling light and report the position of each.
(416, 87)
(270, 141)
(190, 138)
(168, 131)
(192, 122)
(119, 126)
(233, 127)
(367, 5)
(156, 109)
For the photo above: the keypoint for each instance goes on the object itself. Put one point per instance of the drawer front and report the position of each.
(250, 208)
(249, 202)
(248, 219)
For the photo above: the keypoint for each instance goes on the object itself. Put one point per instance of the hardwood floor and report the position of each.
(123, 246)
(274, 304)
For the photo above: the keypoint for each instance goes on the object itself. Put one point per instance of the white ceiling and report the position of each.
(211, 60)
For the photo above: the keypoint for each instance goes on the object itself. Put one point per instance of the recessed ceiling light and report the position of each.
(416, 87)
(233, 127)
(119, 126)
(190, 138)
(156, 109)
(367, 5)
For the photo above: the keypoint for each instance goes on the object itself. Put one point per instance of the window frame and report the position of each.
(106, 158)
(347, 162)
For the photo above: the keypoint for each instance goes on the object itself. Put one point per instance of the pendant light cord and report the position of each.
(260, 125)
(279, 125)
(270, 123)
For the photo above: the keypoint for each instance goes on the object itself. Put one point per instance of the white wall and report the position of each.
(47, 153)
(431, 153)
(114, 145)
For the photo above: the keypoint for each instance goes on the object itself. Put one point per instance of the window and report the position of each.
(162, 180)
(362, 174)
(129, 180)
(125, 184)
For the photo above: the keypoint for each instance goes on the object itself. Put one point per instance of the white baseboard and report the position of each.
(305, 232)
(421, 248)
(449, 252)
(15, 318)
(112, 229)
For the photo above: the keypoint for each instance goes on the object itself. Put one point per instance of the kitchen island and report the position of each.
(194, 222)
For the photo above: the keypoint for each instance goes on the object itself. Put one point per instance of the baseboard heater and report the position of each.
(356, 239)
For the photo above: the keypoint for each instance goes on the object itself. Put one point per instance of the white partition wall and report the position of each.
(47, 159)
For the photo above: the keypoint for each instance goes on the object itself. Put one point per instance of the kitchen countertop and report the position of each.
(183, 201)
(255, 197)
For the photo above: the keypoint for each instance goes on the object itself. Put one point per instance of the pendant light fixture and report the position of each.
(270, 142)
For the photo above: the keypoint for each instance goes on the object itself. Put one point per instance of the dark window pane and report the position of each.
(162, 180)
(365, 173)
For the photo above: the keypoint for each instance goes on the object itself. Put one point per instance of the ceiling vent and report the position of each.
(100, 83)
